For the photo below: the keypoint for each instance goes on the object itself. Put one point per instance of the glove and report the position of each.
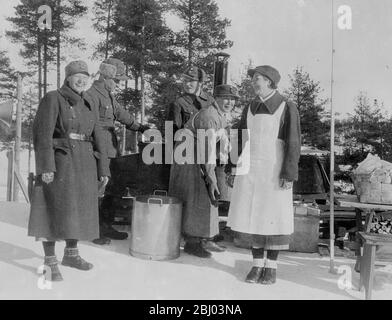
(48, 177)
(143, 127)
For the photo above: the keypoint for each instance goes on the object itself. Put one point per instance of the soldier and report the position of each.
(112, 71)
(67, 138)
(196, 184)
(226, 97)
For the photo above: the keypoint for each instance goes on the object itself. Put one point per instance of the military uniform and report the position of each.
(200, 216)
(109, 111)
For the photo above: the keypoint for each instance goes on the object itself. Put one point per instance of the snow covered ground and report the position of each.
(23, 171)
(117, 275)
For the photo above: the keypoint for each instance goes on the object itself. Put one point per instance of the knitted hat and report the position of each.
(107, 70)
(75, 67)
(267, 71)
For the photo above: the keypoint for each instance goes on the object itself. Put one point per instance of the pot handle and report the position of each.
(161, 191)
(156, 199)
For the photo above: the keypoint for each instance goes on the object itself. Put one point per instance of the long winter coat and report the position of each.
(67, 208)
(199, 216)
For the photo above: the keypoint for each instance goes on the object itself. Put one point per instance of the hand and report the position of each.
(143, 127)
(230, 180)
(285, 184)
(213, 190)
(48, 177)
(104, 180)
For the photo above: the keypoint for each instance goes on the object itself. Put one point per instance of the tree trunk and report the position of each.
(58, 42)
(107, 29)
(190, 38)
(39, 69)
(45, 63)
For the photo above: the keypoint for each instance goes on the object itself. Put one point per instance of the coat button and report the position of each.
(73, 146)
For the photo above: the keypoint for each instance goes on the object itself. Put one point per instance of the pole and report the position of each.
(18, 136)
(332, 159)
(30, 133)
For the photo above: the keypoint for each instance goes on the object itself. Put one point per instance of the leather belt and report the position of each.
(109, 128)
(80, 137)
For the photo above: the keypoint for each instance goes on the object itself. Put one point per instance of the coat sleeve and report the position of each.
(43, 129)
(291, 134)
(124, 117)
(241, 134)
(102, 157)
(175, 116)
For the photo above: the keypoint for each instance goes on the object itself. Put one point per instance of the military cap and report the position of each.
(194, 73)
(267, 71)
(226, 90)
(120, 75)
(75, 67)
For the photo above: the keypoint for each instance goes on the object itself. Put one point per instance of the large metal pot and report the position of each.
(156, 227)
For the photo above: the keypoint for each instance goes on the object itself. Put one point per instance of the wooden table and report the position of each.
(365, 262)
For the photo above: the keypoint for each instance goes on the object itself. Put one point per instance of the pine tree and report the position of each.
(305, 92)
(8, 77)
(204, 33)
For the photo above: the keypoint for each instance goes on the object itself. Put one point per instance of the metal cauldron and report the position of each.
(156, 227)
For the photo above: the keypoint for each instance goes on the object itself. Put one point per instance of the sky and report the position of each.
(287, 34)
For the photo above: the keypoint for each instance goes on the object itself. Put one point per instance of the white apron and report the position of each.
(258, 205)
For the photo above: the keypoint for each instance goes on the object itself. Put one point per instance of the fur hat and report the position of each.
(194, 73)
(225, 90)
(108, 71)
(120, 68)
(75, 67)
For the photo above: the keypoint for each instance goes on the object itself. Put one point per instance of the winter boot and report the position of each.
(52, 263)
(196, 249)
(73, 259)
(269, 276)
(109, 232)
(255, 274)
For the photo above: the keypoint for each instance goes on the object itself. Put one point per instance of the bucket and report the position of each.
(306, 234)
(156, 227)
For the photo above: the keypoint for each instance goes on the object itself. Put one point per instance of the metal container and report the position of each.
(156, 227)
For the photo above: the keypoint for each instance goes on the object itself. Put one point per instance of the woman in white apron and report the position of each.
(262, 199)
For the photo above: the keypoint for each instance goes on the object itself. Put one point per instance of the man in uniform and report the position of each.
(112, 71)
(196, 184)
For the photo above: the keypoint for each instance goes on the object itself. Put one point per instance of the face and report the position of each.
(78, 82)
(191, 86)
(225, 103)
(260, 84)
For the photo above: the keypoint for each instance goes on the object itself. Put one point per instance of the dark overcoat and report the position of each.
(67, 208)
(199, 216)
(109, 111)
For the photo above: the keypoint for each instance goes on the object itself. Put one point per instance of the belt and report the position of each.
(109, 128)
(80, 137)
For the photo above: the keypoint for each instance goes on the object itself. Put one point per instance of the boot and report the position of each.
(254, 275)
(213, 246)
(52, 263)
(109, 232)
(269, 276)
(102, 241)
(196, 249)
(73, 259)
